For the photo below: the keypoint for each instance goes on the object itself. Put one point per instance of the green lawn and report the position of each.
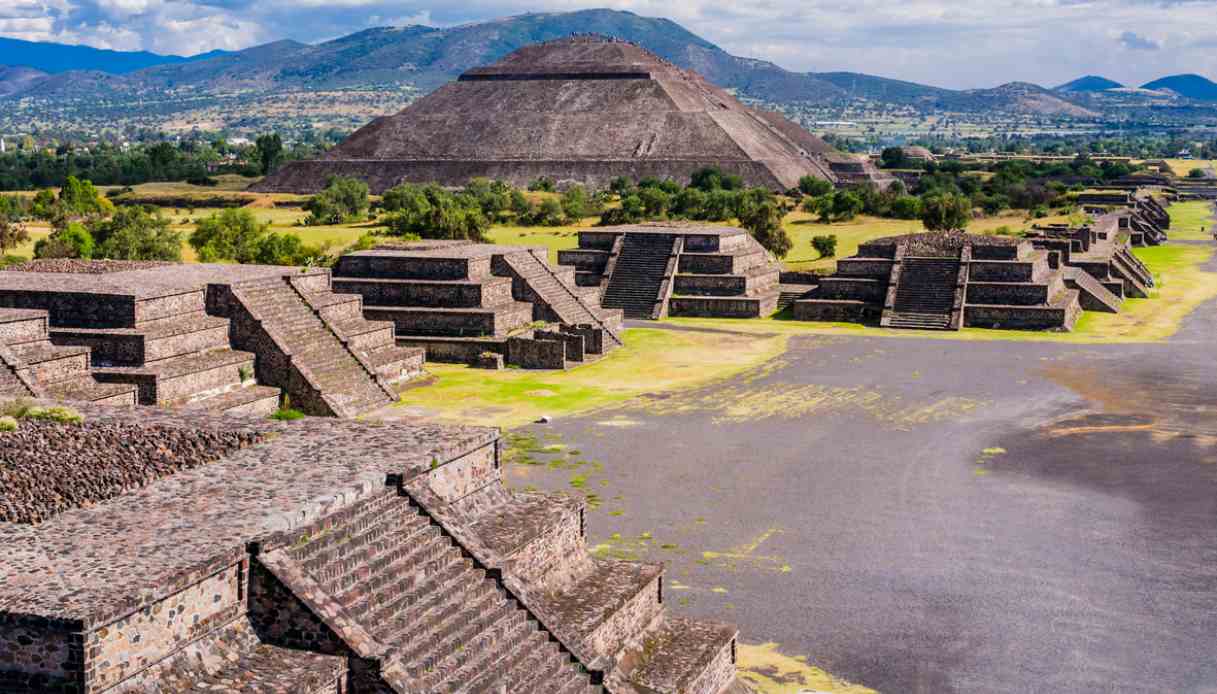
(1188, 218)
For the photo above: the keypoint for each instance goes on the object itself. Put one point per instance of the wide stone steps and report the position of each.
(251, 401)
(922, 321)
(184, 379)
(332, 367)
(562, 297)
(637, 278)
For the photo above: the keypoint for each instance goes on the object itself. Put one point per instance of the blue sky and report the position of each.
(948, 43)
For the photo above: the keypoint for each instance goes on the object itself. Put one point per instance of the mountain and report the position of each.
(14, 79)
(58, 57)
(1089, 83)
(389, 65)
(1188, 86)
(1022, 97)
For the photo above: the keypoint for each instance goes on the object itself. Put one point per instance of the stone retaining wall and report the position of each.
(535, 354)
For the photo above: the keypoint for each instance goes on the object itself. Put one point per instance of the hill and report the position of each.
(1189, 86)
(14, 79)
(390, 65)
(1089, 83)
(58, 57)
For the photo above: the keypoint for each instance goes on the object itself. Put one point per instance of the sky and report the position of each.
(958, 44)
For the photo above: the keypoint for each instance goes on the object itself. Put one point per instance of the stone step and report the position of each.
(384, 570)
(425, 602)
(532, 662)
(484, 619)
(609, 590)
(685, 656)
(251, 401)
(464, 596)
(22, 325)
(369, 514)
(49, 364)
(85, 389)
(151, 341)
(180, 379)
(491, 661)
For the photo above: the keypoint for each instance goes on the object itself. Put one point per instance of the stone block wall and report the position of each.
(1019, 294)
(575, 347)
(535, 354)
(168, 306)
(722, 307)
(137, 641)
(629, 619)
(454, 351)
(453, 480)
(593, 337)
(76, 309)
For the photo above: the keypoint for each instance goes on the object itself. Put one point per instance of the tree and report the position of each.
(136, 233)
(815, 187)
(946, 211)
(575, 205)
(12, 234)
(1196, 173)
(269, 151)
(846, 204)
(894, 158)
(544, 184)
(690, 203)
(431, 212)
(655, 201)
(288, 249)
(233, 234)
(826, 246)
(906, 207)
(72, 241)
(761, 215)
(343, 200)
(549, 214)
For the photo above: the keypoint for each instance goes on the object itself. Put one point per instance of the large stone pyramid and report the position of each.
(582, 109)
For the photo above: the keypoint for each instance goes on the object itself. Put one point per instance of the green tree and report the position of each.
(544, 184)
(946, 211)
(826, 246)
(690, 203)
(906, 207)
(815, 187)
(289, 249)
(71, 241)
(136, 233)
(575, 204)
(12, 234)
(269, 151)
(846, 204)
(1196, 173)
(893, 158)
(761, 215)
(233, 234)
(343, 200)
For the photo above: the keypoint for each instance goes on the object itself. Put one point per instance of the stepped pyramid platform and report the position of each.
(31, 366)
(459, 300)
(661, 269)
(222, 338)
(388, 559)
(949, 280)
(583, 109)
(1102, 250)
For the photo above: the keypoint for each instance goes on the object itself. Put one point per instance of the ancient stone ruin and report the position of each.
(650, 271)
(585, 110)
(215, 338)
(949, 280)
(203, 554)
(461, 301)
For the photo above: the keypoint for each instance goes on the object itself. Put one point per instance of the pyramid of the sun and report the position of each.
(578, 110)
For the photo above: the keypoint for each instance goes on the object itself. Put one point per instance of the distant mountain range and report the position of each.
(424, 58)
(57, 57)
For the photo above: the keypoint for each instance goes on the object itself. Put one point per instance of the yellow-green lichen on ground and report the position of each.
(772, 672)
(652, 361)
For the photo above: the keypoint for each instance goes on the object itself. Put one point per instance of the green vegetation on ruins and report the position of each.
(1193, 220)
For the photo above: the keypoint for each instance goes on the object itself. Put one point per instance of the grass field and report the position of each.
(1182, 167)
(1188, 218)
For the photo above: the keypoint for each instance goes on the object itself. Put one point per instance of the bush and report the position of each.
(73, 241)
(7, 424)
(1196, 173)
(549, 214)
(826, 246)
(544, 184)
(575, 204)
(906, 207)
(761, 215)
(286, 414)
(430, 212)
(59, 415)
(655, 201)
(815, 187)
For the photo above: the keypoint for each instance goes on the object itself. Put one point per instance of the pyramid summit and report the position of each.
(583, 109)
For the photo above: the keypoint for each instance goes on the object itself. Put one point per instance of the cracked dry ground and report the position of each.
(923, 515)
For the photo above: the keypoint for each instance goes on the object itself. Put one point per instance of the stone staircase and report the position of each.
(638, 275)
(31, 366)
(395, 588)
(790, 293)
(316, 368)
(566, 301)
(925, 294)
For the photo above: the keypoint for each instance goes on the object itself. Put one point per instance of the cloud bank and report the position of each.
(951, 44)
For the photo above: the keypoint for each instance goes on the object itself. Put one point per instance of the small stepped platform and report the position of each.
(790, 293)
(607, 604)
(149, 342)
(685, 656)
(925, 294)
(639, 275)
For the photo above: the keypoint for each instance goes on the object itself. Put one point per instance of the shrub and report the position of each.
(232, 234)
(1196, 173)
(761, 215)
(544, 184)
(575, 204)
(826, 246)
(8, 424)
(549, 214)
(60, 415)
(906, 207)
(287, 414)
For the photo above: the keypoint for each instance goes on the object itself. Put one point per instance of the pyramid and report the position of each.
(583, 109)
